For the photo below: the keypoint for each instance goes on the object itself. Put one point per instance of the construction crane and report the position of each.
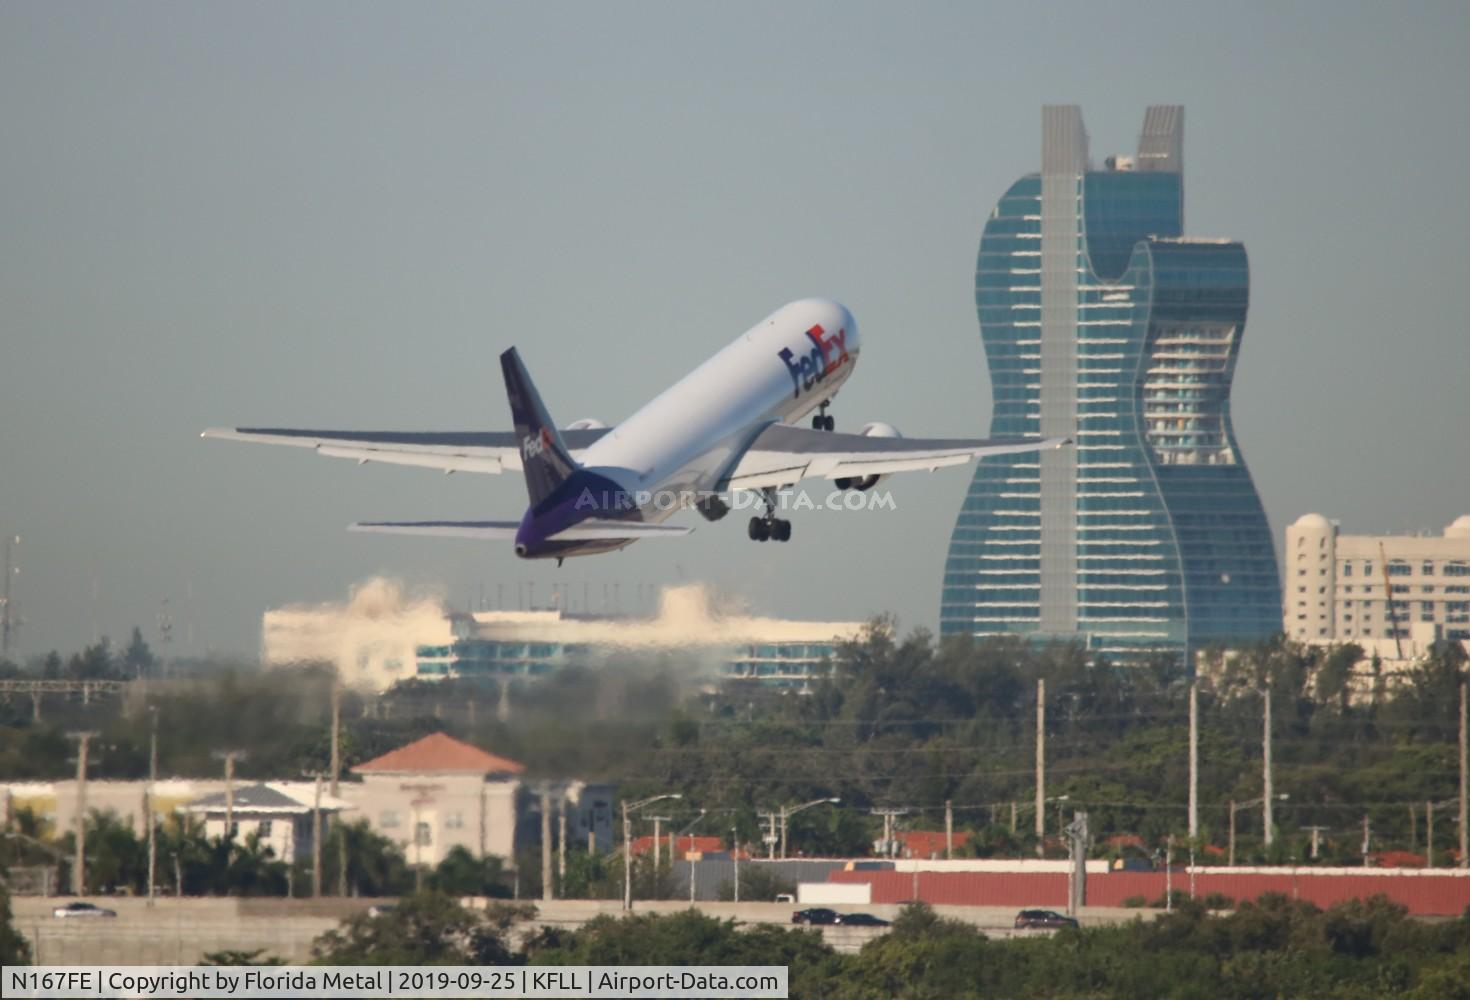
(1393, 617)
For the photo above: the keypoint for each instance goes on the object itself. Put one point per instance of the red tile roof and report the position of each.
(927, 843)
(439, 754)
(707, 845)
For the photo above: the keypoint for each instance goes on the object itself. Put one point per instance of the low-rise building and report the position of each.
(380, 637)
(438, 793)
(282, 821)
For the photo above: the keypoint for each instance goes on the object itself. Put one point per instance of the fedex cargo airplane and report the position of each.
(727, 426)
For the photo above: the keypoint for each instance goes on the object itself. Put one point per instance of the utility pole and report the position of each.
(316, 837)
(1077, 834)
(548, 890)
(1169, 874)
(1193, 760)
(890, 845)
(770, 835)
(628, 809)
(658, 833)
(561, 839)
(1464, 784)
(948, 831)
(735, 854)
(229, 757)
(7, 619)
(79, 861)
(1041, 767)
(148, 812)
(1367, 838)
(1316, 832)
(1267, 821)
(336, 765)
(1230, 853)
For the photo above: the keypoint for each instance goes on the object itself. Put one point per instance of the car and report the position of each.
(1043, 919)
(381, 909)
(817, 915)
(82, 909)
(861, 920)
(785, 897)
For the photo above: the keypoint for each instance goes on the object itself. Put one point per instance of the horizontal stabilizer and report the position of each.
(483, 530)
(601, 528)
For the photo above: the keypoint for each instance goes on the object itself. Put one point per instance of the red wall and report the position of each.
(1424, 895)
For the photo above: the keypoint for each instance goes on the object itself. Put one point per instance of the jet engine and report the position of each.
(876, 429)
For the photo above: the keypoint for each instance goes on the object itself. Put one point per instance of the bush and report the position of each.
(1134, 902)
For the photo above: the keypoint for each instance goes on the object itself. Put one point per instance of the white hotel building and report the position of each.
(1394, 595)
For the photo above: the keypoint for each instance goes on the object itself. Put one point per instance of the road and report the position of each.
(183, 931)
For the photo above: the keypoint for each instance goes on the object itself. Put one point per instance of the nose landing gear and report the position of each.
(769, 527)
(823, 421)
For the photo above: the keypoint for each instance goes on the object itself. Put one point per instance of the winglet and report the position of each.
(545, 459)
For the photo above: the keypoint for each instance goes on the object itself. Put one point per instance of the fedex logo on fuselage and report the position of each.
(810, 368)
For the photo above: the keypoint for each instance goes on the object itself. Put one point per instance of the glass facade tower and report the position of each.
(1104, 324)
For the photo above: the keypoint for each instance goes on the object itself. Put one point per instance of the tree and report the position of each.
(137, 659)
(688, 938)
(758, 883)
(427, 928)
(93, 663)
(463, 874)
(232, 957)
(117, 859)
(923, 955)
(375, 865)
(253, 869)
(14, 949)
(591, 876)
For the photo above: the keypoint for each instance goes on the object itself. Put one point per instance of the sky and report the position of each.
(338, 215)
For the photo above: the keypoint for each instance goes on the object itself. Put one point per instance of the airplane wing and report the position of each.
(590, 529)
(783, 455)
(450, 451)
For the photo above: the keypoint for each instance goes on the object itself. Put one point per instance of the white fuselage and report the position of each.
(685, 439)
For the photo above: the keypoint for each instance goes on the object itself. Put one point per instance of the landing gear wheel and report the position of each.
(760, 530)
(781, 531)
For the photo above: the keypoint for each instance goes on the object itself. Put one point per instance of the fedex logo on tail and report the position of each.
(809, 368)
(534, 444)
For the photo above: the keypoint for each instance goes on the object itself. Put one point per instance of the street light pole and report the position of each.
(152, 792)
(674, 846)
(1236, 807)
(786, 814)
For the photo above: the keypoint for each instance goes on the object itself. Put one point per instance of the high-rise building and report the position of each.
(1103, 323)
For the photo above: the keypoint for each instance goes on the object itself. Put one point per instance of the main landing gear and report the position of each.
(770, 527)
(823, 421)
